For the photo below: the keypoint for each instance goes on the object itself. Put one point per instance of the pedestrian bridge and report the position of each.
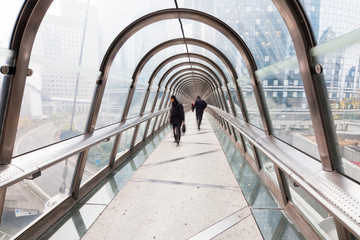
(86, 149)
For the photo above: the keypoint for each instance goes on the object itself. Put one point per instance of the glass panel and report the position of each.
(158, 101)
(226, 98)
(165, 69)
(56, 104)
(250, 101)
(340, 59)
(98, 158)
(209, 66)
(113, 101)
(114, 11)
(331, 19)
(248, 147)
(235, 99)
(150, 101)
(27, 200)
(267, 166)
(8, 16)
(125, 142)
(193, 29)
(317, 216)
(163, 84)
(152, 121)
(155, 61)
(257, 22)
(140, 135)
(286, 100)
(143, 41)
(137, 101)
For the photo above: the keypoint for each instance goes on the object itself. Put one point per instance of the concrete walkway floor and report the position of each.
(180, 193)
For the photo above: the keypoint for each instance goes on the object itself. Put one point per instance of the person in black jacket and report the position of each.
(199, 105)
(177, 118)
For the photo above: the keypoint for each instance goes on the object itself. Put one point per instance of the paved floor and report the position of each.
(180, 193)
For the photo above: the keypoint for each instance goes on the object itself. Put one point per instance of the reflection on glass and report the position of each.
(317, 216)
(125, 142)
(267, 166)
(98, 158)
(250, 101)
(27, 200)
(286, 101)
(248, 148)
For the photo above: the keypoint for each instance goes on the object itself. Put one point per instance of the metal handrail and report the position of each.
(34, 162)
(307, 172)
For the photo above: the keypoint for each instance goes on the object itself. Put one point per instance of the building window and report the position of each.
(284, 94)
(247, 9)
(274, 94)
(266, 58)
(275, 82)
(286, 82)
(258, 21)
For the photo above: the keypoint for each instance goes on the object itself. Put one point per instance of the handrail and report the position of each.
(38, 160)
(336, 193)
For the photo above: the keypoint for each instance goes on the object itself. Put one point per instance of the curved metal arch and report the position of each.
(201, 73)
(187, 83)
(315, 89)
(155, 72)
(220, 94)
(188, 41)
(194, 80)
(22, 42)
(178, 14)
(197, 77)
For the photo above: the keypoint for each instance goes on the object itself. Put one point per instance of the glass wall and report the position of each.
(140, 135)
(251, 105)
(113, 101)
(267, 166)
(56, 105)
(248, 148)
(125, 142)
(98, 158)
(288, 108)
(335, 26)
(27, 200)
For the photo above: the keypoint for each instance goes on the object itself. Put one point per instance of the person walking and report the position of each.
(177, 118)
(199, 105)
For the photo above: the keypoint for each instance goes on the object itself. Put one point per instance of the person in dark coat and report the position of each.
(177, 118)
(199, 105)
